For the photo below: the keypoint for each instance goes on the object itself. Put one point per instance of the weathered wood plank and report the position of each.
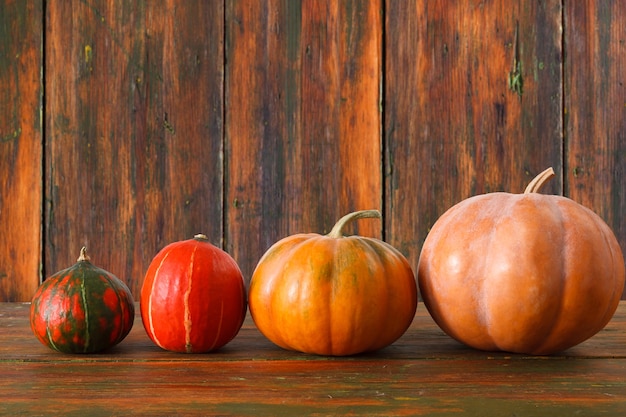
(422, 341)
(595, 102)
(423, 372)
(303, 120)
(133, 130)
(134, 121)
(472, 105)
(21, 143)
(268, 388)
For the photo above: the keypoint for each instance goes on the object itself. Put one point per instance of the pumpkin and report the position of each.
(333, 294)
(526, 273)
(193, 298)
(82, 309)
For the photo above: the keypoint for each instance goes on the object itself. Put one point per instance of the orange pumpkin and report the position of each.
(193, 298)
(333, 294)
(526, 273)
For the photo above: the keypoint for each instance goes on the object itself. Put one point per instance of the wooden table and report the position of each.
(423, 373)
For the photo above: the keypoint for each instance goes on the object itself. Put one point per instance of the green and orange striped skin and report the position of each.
(82, 309)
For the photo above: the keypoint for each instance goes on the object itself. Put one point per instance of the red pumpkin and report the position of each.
(333, 294)
(193, 298)
(526, 273)
(82, 309)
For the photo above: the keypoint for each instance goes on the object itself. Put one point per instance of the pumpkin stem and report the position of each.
(83, 255)
(201, 236)
(337, 230)
(539, 181)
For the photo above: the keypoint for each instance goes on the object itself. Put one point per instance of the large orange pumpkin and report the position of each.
(526, 273)
(333, 294)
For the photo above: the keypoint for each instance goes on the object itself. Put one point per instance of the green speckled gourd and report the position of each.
(82, 309)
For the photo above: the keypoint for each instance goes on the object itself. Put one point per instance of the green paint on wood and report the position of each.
(294, 27)
(293, 73)
(375, 402)
(516, 81)
(11, 135)
(13, 29)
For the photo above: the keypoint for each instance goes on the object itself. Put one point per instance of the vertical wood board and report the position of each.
(472, 105)
(20, 148)
(250, 121)
(303, 117)
(595, 110)
(133, 130)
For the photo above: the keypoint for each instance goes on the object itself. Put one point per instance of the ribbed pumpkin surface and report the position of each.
(526, 273)
(193, 298)
(82, 309)
(333, 295)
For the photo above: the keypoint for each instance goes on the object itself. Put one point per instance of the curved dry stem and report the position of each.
(539, 181)
(83, 255)
(337, 230)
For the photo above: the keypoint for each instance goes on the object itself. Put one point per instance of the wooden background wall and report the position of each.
(126, 125)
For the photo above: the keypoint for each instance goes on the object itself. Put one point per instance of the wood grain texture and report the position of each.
(595, 109)
(455, 123)
(423, 373)
(133, 130)
(21, 143)
(303, 120)
(249, 121)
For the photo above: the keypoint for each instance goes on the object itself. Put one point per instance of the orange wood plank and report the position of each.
(361, 387)
(595, 109)
(302, 120)
(424, 372)
(139, 126)
(21, 146)
(456, 121)
(133, 130)
(424, 340)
